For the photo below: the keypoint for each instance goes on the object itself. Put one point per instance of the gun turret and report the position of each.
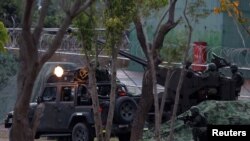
(219, 61)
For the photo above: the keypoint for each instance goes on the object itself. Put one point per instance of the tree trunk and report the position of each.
(147, 96)
(95, 105)
(113, 93)
(165, 94)
(176, 102)
(156, 100)
(28, 70)
(144, 106)
(26, 77)
(180, 84)
(94, 96)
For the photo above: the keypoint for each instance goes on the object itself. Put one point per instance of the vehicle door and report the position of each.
(83, 98)
(65, 107)
(49, 98)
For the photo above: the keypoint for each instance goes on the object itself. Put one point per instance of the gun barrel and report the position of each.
(133, 58)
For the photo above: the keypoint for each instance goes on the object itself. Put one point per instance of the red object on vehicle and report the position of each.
(200, 56)
(100, 109)
(121, 93)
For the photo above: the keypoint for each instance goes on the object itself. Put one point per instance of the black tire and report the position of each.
(81, 132)
(125, 110)
(124, 137)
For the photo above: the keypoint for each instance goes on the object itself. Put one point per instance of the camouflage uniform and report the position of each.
(237, 77)
(198, 123)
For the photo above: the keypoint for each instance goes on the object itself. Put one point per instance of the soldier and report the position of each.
(198, 123)
(237, 77)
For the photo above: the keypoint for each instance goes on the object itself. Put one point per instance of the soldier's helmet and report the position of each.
(212, 67)
(234, 68)
(194, 110)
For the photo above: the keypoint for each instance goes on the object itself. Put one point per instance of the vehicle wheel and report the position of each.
(125, 109)
(81, 132)
(124, 137)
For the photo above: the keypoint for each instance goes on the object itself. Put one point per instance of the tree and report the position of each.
(30, 63)
(146, 97)
(118, 17)
(165, 25)
(182, 75)
(86, 24)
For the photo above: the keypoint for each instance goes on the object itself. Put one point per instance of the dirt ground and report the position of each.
(4, 134)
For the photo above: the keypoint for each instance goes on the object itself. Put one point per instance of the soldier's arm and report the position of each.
(195, 121)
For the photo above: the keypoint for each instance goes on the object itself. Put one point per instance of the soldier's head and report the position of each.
(194, 110)
(188, 64)
(212, 67)
(234, 68)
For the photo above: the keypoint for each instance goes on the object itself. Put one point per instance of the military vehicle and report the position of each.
(197, 86)
(68, 113)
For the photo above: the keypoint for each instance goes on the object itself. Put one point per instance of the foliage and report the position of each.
(54, 16)
(118, 16)
(174, 46)
(8, 68)
(10, 9)
(231, 8)
(86, 25)
(3, 36)
(153, 4)
(196, 10)
(146, 6)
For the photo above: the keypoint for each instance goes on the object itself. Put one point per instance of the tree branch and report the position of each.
(180, 83)
(162, 18)
(26, 34)
(39, 26)
(57, 40)
(81, 7)
(27, 15)
(65, 5)
(75, 7)
(75, 10)
(140, 34)
(165, 28)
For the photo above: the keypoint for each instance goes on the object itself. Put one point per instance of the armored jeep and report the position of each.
(68, 113)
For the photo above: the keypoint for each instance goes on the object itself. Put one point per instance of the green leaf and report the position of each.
(3, 36)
